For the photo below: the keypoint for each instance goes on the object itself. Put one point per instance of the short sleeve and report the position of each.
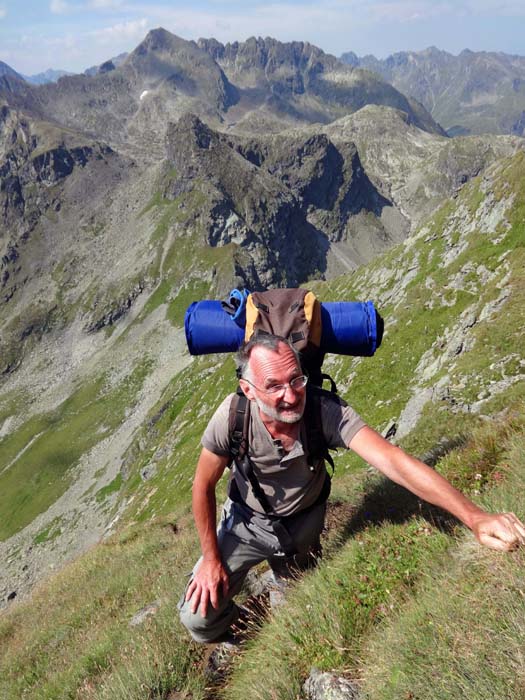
(216, 437)
(340, 422)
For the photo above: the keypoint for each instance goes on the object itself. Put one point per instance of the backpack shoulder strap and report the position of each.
(238, 424)
(317, 445)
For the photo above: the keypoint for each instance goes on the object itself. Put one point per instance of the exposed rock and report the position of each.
(284, 200)
(412, 410)
(239, 84)
(329, 686)
(288, 71)
(144, 613)
(148, 472)
(443, 447)
(114, 314)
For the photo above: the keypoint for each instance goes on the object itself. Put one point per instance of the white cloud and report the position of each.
(3, 12)
(104, 4)
(59, 7)
(124, 31)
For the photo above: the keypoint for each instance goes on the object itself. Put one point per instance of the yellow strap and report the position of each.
(312, 311)
(251, 316)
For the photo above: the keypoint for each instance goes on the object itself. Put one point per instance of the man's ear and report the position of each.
(247, 389)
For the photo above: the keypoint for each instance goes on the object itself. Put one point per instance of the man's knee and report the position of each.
(212, 626)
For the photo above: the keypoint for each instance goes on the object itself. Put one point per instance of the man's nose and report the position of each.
(289, 388)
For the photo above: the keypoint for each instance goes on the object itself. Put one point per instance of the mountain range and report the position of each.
(472, 93)
(191, 168)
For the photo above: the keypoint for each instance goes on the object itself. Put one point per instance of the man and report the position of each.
(273, 381)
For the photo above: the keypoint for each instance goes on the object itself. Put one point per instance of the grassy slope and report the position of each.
(38, 459)
(72, 639)
(462, 633)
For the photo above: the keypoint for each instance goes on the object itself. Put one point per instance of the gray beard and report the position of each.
(276, 414)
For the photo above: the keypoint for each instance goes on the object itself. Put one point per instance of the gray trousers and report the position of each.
(245, 539)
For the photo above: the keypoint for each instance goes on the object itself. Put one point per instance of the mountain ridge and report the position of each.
(472, 93)
(129, 105)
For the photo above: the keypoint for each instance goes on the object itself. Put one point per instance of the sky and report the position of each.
(75, 34)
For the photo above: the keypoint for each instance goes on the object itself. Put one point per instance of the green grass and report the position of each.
(49, 533)
(73, 638)
(462, 633)
(173, 430)
(391, 564)
(377, 577)
(195, 290)
(113, 487)
(186, 269)
(40, 455)
(328, 613)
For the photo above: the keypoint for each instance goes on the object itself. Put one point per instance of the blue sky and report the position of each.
(75, 34)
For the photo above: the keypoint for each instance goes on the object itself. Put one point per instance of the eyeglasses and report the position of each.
(297, 383)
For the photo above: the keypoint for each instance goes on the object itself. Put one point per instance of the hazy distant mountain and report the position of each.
(48, 76)
(473, 93)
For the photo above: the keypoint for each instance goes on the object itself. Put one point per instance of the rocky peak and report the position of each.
(189, 134)
(160, 40)
(185, 67)
(267, 54)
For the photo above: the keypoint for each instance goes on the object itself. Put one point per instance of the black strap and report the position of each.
(333, 385)
(317, 450)
(245, 468)
(316, 441)
(239, 425)
(278, 522)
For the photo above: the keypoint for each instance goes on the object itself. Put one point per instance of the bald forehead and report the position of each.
(266, 364)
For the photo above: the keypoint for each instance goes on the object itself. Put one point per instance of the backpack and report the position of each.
(294, 314)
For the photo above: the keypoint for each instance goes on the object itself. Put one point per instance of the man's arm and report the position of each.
(501, 531)
(211, 577)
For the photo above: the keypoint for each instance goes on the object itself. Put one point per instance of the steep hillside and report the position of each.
(101, 254)
(472, 93)
(452, 358)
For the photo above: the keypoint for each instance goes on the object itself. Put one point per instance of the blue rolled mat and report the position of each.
(210, 329)
(349, 328)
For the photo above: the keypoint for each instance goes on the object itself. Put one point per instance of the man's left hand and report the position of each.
(501, 531)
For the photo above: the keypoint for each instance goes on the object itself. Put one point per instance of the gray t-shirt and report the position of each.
(288, 481)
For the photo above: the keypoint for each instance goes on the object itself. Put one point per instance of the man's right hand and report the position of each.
(210, 580)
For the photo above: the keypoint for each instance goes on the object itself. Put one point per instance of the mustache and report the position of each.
(286, 405)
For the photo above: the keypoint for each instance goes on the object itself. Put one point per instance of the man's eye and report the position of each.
(274, 388)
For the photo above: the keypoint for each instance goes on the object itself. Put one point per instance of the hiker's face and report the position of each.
(268, 368)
